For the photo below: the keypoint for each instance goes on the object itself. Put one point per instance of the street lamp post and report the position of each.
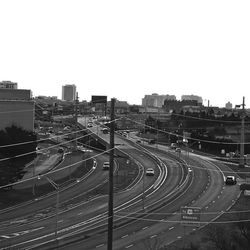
(188, 147)
(34, 173)
(56, 186)
(242, 134)
(143, 191)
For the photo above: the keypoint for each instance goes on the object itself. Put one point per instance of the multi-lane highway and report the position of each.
(147, 209)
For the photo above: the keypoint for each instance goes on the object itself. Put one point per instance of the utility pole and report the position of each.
(76, 116)
(111, 166)
(242, 135)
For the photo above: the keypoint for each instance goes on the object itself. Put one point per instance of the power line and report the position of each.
(210, 120)
(45, 149)
(54, 171)
(44, 139)
(189, 138)
(51, 147)
(179, 221)
(178, 213)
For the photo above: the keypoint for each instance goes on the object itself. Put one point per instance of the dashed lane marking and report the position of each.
(153, 236)
(5, 236)
(101, 245)
(129, 246)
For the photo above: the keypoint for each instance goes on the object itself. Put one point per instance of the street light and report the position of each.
(56, 186)
(188, 146)
(143, 194)
(242, 134)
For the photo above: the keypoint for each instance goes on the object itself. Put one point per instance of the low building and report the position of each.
(8, 85)
(177, 106)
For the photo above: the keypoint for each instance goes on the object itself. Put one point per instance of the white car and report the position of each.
(105, 165)
(178, 150)
(150, 171)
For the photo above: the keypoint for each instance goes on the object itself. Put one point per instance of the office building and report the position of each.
(229, 105)
(156, 100)
(69, 92)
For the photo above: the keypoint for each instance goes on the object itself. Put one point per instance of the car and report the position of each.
(105, 165)
(105, 130)
(151, 141)
(173, 146)
(178, 150)
(138, 141)
(150, 171)
(60, 150)
(230, 180)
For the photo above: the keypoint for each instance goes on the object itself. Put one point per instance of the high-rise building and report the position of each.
(69, 92)
(156, 100)
(229, 105)
(8, 85)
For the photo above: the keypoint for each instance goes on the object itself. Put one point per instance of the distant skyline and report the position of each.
(128, 49)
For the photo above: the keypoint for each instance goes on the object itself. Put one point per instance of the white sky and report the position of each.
(126, 49)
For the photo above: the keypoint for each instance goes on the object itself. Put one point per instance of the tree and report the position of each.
(221, 237)
(14, 153)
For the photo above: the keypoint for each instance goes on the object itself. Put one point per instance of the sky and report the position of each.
(128, 49)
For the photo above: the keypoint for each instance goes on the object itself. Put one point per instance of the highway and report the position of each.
(33, 226)
(147, 208)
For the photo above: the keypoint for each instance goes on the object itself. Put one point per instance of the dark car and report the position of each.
(230, 180)
(150, 171)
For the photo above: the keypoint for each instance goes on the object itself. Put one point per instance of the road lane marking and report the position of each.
(153, 236)
(101, 245)
(129, 246)
(5, 236)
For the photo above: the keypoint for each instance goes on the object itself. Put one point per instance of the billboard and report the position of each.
(99, 99)
(190, 216)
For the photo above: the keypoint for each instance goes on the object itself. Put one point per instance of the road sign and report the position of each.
(190, 216)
